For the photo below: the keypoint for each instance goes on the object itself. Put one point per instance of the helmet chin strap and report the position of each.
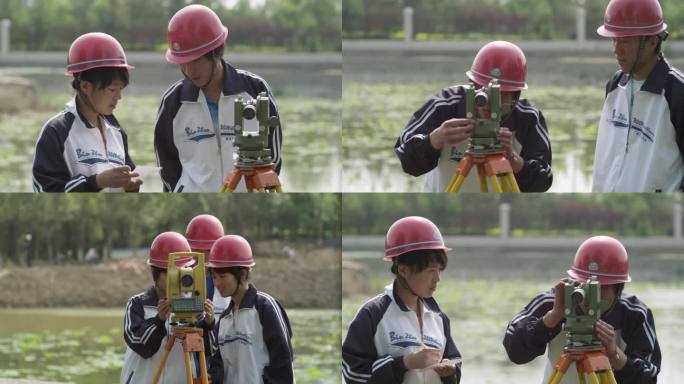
(237, 287)
(213, 74)
(618, 294)
(85, 100)
(404, 284)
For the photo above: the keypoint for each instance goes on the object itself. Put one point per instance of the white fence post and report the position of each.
(408, 24)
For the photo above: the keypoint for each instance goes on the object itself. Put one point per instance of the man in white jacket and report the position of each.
(641, 133)
(194, 132)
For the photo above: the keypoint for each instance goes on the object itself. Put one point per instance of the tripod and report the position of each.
(192, 342)
(594, 363)
(489, 165)
(261, 179)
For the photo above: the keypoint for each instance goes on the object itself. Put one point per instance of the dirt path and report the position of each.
(300, 276)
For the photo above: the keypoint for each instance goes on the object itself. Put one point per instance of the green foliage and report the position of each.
(66, 223)
(463, 19)
(295, 25)
(543, 215)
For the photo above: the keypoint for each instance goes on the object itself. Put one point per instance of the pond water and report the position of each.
(86, 345)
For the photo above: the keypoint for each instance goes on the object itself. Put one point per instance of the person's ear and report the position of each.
(85, 87)
(403, 270)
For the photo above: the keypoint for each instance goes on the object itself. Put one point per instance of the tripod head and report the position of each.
(252, 147)
(186, 289)
(583, 308)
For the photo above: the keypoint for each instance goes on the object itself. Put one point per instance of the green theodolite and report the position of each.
(186, 288)
(483, 139)
(252, 147)
(583, 308)
(484, 149)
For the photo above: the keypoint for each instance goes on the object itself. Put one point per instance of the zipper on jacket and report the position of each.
(632, 96)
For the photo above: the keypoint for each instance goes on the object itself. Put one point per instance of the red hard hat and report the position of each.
(202, 231)
(165, 243)
(502, 61)
(194, 31)
(94, 50)
(632, 18)
(412, 233)
(230, 251)
(603, 257)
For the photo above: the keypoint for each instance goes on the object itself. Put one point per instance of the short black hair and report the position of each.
(215, 53)
(420, 259)
(156, 271)
(240, 273)
(102, 77)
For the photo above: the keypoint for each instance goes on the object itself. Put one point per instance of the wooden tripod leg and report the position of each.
(165, 356)
(580, 374)
(455, 183)
(512, 182)
(460, 174)
(495, 183)
(203, 368)
(481, 174)
(559, 368)
(556, 376)
(188, 368)
(505, 186)
(232, 181)
(593, 378)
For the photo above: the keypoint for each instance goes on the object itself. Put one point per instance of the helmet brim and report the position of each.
(391, 255)
(603, 280)
(214, 264)
(72, 72)
(506, 86)
(180, 263)
(607, 32)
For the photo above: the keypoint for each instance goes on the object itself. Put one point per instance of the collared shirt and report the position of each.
(644, 154)
(71, 152)
(195, 155)
(384, 330)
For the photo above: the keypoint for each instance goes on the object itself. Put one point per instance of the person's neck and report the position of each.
(409, 299)
(215, 87)
(645, 70)
(238, 296)
(88, 112)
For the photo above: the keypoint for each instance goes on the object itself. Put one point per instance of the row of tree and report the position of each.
(287, 25)
(542, 215)
(518, 19)
(71, 224)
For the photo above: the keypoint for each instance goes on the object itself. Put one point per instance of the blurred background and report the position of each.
(293, 44)
(69, 264)
(506, 250)
(399, 53)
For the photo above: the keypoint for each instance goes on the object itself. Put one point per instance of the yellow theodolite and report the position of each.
(186, 290)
